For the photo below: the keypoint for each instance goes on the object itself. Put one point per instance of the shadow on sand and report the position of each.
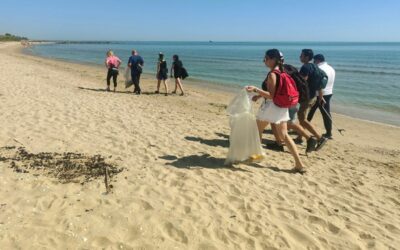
(210, 142)
(129, 92)
(275, 169)
(198, 161)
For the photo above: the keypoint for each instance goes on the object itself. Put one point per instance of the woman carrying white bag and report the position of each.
(270, 112)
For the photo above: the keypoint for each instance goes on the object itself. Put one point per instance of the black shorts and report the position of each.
(162, 76)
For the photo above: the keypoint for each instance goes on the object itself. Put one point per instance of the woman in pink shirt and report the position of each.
(112, 63)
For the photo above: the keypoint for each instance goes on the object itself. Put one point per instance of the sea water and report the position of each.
(367, 82)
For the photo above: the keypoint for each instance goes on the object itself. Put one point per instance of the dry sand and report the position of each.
(174, 192)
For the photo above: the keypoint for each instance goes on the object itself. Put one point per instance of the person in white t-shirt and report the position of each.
(327, 94)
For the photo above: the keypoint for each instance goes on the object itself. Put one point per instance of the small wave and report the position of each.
(370, 72)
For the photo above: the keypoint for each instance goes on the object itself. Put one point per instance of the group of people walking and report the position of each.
(136, 64)
(287, 92)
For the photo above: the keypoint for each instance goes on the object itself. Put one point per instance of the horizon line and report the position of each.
(209, 41)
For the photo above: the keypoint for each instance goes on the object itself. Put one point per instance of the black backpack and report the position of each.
(319, 78)
(184, 73)
(301, 84)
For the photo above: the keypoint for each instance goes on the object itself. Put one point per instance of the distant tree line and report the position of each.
(10, 37)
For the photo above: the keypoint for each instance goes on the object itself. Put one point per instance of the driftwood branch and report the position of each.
(107, 179)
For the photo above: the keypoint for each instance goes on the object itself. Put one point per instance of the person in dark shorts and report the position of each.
(177, 71)
(162, 73)
(308, 72)
(112, 63)
(136, 63)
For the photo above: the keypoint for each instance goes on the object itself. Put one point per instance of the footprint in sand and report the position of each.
(175, 233)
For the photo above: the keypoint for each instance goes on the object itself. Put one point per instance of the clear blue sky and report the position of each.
(203, 20)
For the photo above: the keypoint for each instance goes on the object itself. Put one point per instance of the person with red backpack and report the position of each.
(302, 88)
(279, 93)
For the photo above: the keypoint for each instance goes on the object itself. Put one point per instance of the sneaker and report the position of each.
(275, 147)
(328, 136)
(321, 143)
(298, 140)
(311, 144)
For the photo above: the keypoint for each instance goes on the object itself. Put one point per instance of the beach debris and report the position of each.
(106, 180)
(66, 167)
(340, 130)
(17, 142)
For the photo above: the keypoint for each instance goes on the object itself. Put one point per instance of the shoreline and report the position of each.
(232, 89)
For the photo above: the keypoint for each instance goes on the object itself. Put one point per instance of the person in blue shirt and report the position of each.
(136, 63)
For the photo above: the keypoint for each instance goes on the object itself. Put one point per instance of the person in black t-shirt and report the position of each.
(162, 73)
(177, 67)
(307, 71)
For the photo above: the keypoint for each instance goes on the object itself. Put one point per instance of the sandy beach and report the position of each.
(174, 191)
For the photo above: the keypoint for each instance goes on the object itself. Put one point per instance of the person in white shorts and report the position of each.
(269, 112)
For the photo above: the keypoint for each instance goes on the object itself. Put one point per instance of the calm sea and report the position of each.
(367, 74)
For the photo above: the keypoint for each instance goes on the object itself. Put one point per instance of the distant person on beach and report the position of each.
(312, 75)
(136, 63)
(327, 93)
(112, 63)
(269, 111)
(179, 72)
(162, 73)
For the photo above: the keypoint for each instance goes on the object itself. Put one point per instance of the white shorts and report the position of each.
(271, 113)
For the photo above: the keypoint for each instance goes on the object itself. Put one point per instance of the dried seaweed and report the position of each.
(66, 167)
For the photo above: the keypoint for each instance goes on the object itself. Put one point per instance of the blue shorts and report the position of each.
(293, 113)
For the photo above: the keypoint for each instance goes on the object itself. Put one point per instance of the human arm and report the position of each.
(321, 99)
(140, 64)
(271, 84)
(129, 63)
(172, 68)
(260, 92)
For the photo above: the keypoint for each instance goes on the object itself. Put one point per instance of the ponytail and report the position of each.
(280, 65)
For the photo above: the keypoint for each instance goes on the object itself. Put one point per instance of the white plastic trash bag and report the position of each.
(244, 140)
(128, 78)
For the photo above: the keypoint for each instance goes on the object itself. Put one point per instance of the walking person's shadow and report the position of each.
(198, 161)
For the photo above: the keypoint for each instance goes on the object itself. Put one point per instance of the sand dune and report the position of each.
(175, 192)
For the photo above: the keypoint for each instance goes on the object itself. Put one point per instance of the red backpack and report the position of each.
(286, 94)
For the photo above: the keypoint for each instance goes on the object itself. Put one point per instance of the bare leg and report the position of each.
(261, 126)
(307, 125)
(158, 86)
(278, 139)
(299, 130)
(179, 83)
(166, 87)
(176, 86)
(282, 129)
